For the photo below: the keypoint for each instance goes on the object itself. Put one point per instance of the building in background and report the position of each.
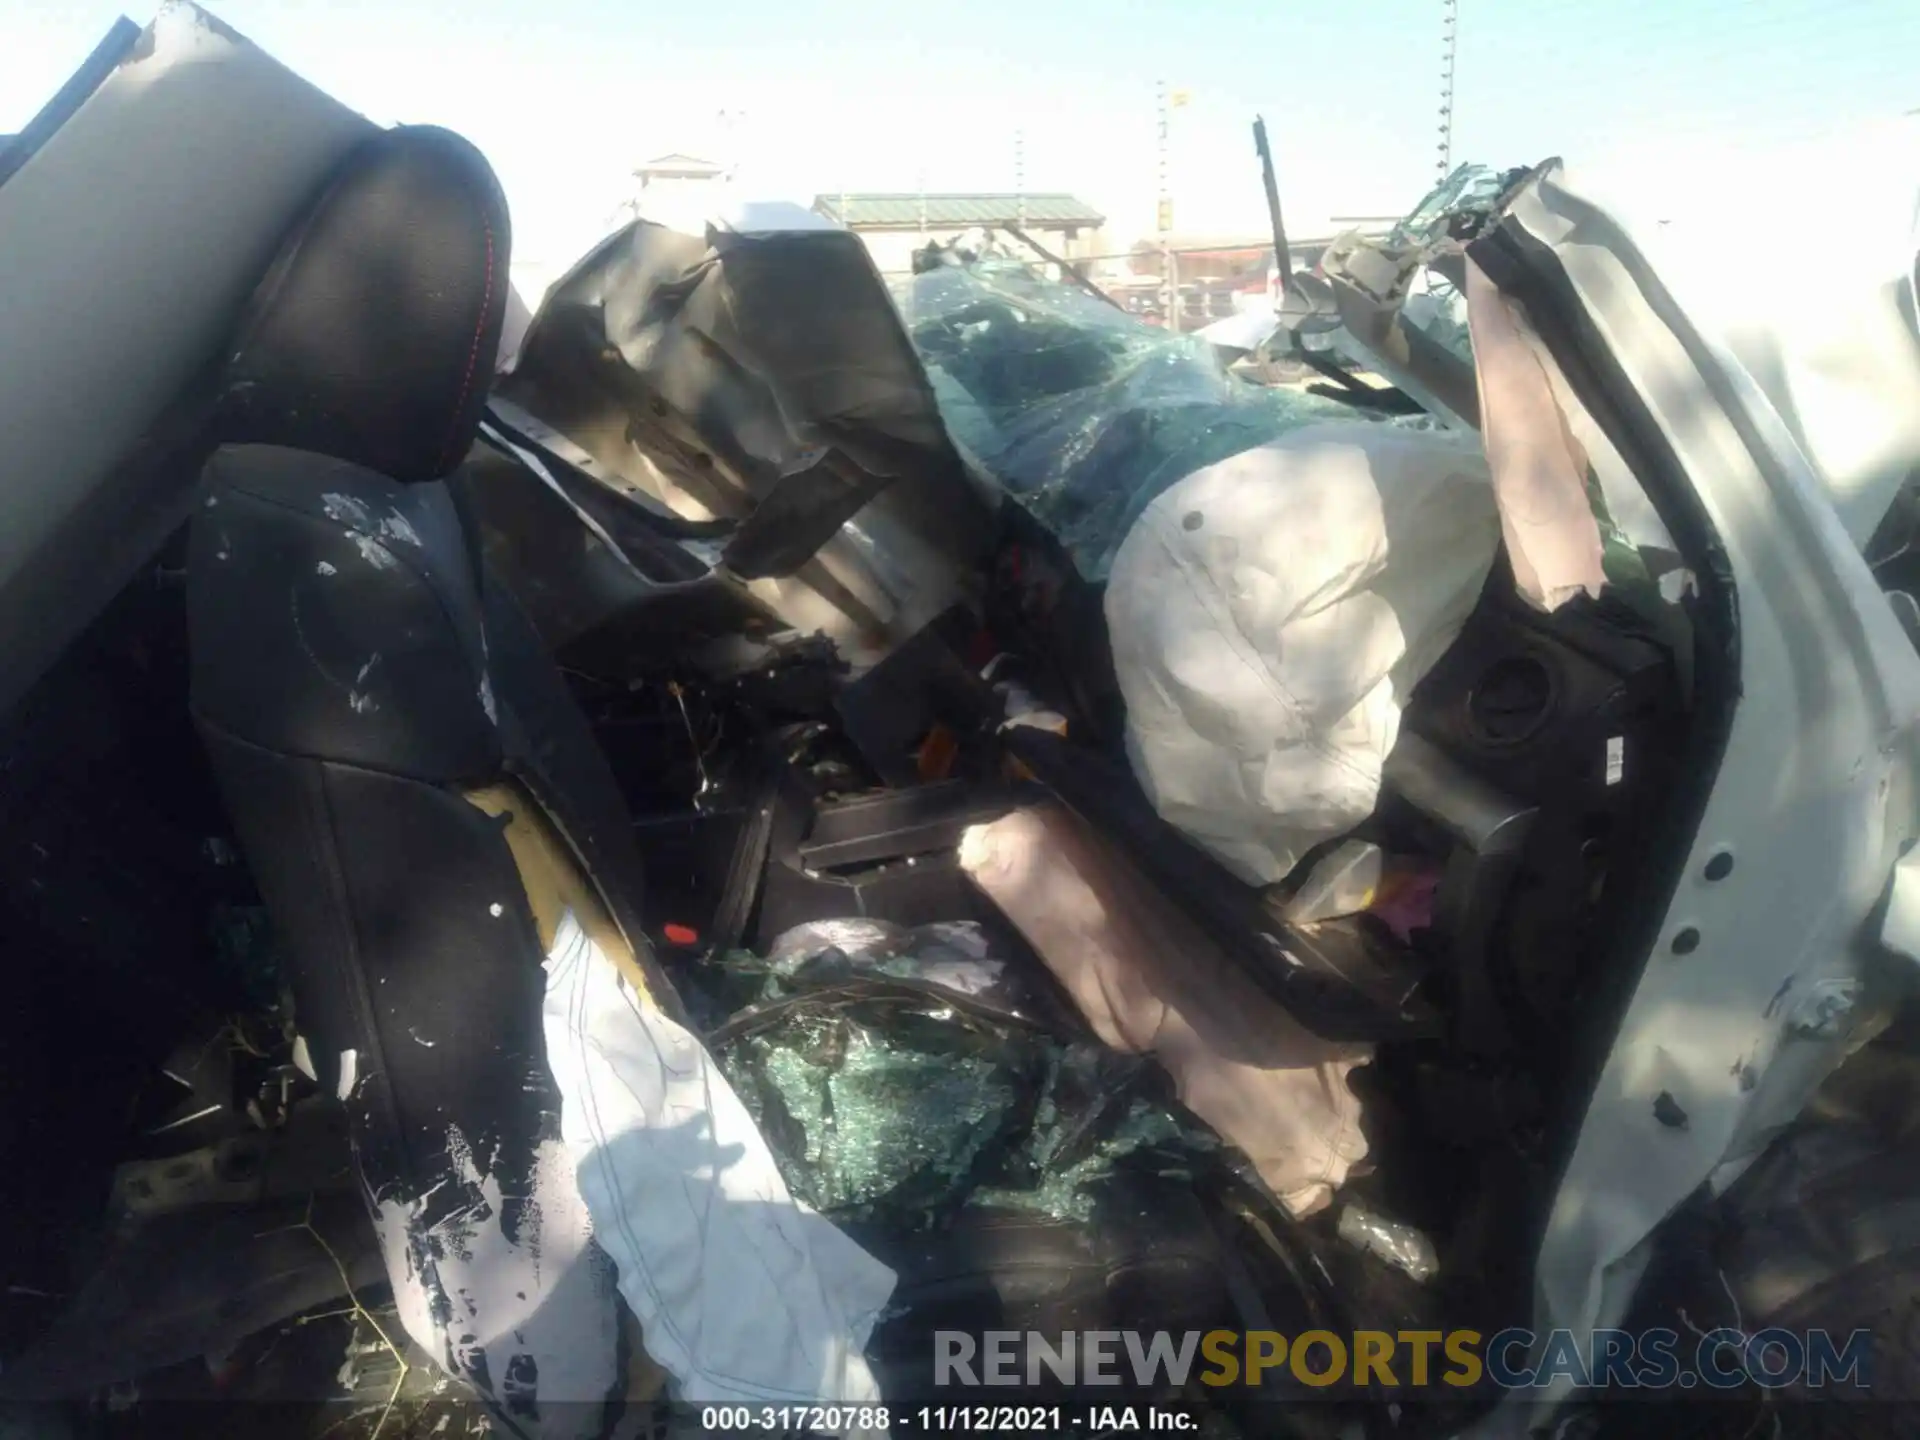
(894, 226)
(1215, 275)
(682, 191)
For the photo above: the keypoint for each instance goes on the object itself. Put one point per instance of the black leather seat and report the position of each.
(417, 794)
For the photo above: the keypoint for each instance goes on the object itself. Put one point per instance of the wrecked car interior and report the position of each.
(680, 845)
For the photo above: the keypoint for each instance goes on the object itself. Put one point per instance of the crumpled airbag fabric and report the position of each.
(1149, 982)
(742, 1293)
(1539, 470)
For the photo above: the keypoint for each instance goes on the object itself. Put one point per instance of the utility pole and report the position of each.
(1169, 287)
(1020, 178)
(730, 121)
(1449, 37)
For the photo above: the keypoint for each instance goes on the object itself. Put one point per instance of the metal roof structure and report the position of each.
(677, 166)
(950, 212)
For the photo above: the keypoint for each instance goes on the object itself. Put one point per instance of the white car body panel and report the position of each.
(1814, 801)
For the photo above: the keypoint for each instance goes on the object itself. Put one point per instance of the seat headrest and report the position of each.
(373, 337)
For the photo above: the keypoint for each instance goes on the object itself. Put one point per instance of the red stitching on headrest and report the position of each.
(473, 352)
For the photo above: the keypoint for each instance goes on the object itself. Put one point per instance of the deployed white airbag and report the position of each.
(1270, 615)
(743, 1294)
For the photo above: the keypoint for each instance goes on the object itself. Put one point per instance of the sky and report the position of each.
(566, 97)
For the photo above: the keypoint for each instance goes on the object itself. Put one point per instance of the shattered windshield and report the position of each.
(1466, 194)
(1082, 411)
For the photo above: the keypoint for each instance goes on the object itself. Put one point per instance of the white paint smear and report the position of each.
(346, 510)
(543, 1293)
(374, 553)
(396, 527)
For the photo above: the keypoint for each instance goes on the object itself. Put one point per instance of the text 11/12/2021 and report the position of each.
(941, 1419)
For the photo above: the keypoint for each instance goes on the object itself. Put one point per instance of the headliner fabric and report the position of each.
(743, 1294)
(1269, 617)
